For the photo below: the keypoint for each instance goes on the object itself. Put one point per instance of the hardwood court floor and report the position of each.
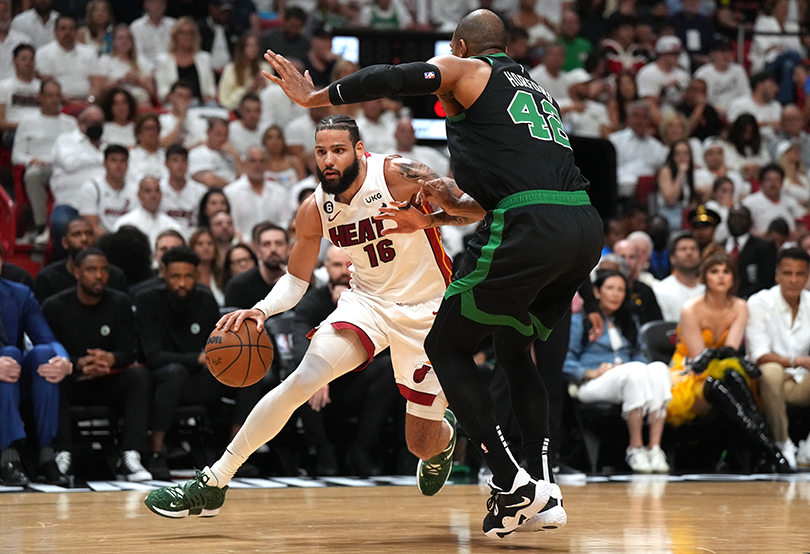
(637, 517)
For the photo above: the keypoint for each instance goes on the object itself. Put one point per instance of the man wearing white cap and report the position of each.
(714, 167)
(582, 115)
(662, 82)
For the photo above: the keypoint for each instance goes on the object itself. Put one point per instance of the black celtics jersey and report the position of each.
(511, 139)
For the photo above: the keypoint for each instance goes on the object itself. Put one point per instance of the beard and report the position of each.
(343, 182)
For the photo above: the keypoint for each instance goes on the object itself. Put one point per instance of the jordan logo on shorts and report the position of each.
(421, 372)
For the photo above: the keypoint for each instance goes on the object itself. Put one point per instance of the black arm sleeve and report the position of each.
(379, 81)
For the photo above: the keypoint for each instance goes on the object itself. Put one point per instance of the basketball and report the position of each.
(239, 358)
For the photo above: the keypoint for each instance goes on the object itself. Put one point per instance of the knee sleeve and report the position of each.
(342, 350)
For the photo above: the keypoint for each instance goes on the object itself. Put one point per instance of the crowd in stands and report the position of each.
(163, 173)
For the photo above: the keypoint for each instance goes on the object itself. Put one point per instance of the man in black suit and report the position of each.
(642, 298)
(755, 257)
(218, 22)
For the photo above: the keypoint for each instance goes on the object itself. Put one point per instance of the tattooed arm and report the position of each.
(412, 183)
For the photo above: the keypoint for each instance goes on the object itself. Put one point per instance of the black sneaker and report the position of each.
(48, 472)
(508, 510)
(158, 467)
(12, 474)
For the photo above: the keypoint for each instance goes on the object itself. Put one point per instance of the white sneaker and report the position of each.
(42, 238)
(131, 467)
(658, 460)
(551, 517)
(803, 454)
(789, 452)
(638, 460)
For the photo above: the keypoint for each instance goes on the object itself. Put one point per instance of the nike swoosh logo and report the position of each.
(332, 218)
(338, 91)
(526, 502)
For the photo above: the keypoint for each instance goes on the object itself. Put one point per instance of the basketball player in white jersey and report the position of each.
(397, 283)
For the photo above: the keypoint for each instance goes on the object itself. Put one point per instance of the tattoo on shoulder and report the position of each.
(413, 171)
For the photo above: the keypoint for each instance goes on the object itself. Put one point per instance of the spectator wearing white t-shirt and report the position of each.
(746, 149)
(179, 125)
(406, 147)
(663, 82)
(769, 203)
(300, 135)
(73, 64)
(581, 114)
(215, 163)
(761, 103)
(19, 95)
(181, 195)
(147, 157)
(684, 282)
(638, 154)
(9, 40)
(550, 74)
(104, 199)
(37, 23)
(33, 144)
(147, 215)
(377, 126)
(254, 198)
(152, 31)
(78, 157)
(777, 47)
(725, 80)
(247, 131)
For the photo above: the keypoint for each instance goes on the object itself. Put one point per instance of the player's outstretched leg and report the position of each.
(432, 474)
(509, 509)
(551, 517)
(192, 498)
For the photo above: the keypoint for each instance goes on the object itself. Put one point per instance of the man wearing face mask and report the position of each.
(78, 157)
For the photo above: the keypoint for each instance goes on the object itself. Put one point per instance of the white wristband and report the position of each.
(286, 293)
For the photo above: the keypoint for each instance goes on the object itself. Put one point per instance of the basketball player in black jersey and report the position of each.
(539, 241)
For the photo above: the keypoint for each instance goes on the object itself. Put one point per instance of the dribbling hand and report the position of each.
(233, 320)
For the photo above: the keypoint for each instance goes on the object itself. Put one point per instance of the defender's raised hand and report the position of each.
(297, 87)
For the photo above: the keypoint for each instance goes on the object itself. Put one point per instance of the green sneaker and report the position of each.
(192, 498)
(432, 474)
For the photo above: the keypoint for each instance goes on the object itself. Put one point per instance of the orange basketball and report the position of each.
(239, 358)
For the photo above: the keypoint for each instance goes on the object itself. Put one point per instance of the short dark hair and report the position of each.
(182, 254)
(49, 81)
(170, 233)
(340, 122)
(678, 237)
(214, 121)
(250, 97)
(143, 119)
(761, 77)
(116, 149)
(793, 253)
(87, 252)
(181, 83)
(22, 47)
(260, 228)
(295, 12)
(771, 167)
(779, 226)
(178, 149)
(65, 16)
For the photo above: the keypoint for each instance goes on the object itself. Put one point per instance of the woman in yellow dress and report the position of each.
(707, 371)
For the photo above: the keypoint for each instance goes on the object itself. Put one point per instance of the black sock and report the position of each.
(538, 460)
(496, 454)
(46, 454)
(10, 454)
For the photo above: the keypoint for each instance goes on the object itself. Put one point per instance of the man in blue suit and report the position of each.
(36, 374)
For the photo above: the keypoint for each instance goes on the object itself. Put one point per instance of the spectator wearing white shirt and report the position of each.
(638, 153)
(19, 95)
(185, 60)
(406, 147)
(181, 195)
(725, 80)
(147, 215)
(684, 282)
(74, 65)
(277, 108)
(777, 47)
(662, 82)
(152, 30)
(215, 163)
(218, 35)
(9, 40)
(119, 108)
(38, 23)
(583, 116)
(447, 14)
(761, 103)
(123, 67)
(769, 203)
(778, 337)
(550, 75)
(746, 149)
(793, 130)
(78, 157)
(104, 199)
(300, 135)
(714, 167)
(179, 126)
(33, 144)
(254, 198)
(247, 131)
(147, 157)
(377, 126)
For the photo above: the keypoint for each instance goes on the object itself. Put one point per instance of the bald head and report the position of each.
(480, 30)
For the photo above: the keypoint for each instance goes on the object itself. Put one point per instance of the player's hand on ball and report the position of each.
(408, 218)
(233, 320)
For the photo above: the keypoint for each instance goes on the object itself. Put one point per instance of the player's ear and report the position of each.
(462, 48)
(360, 149)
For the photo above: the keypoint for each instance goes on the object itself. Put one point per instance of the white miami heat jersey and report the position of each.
(407, 269)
